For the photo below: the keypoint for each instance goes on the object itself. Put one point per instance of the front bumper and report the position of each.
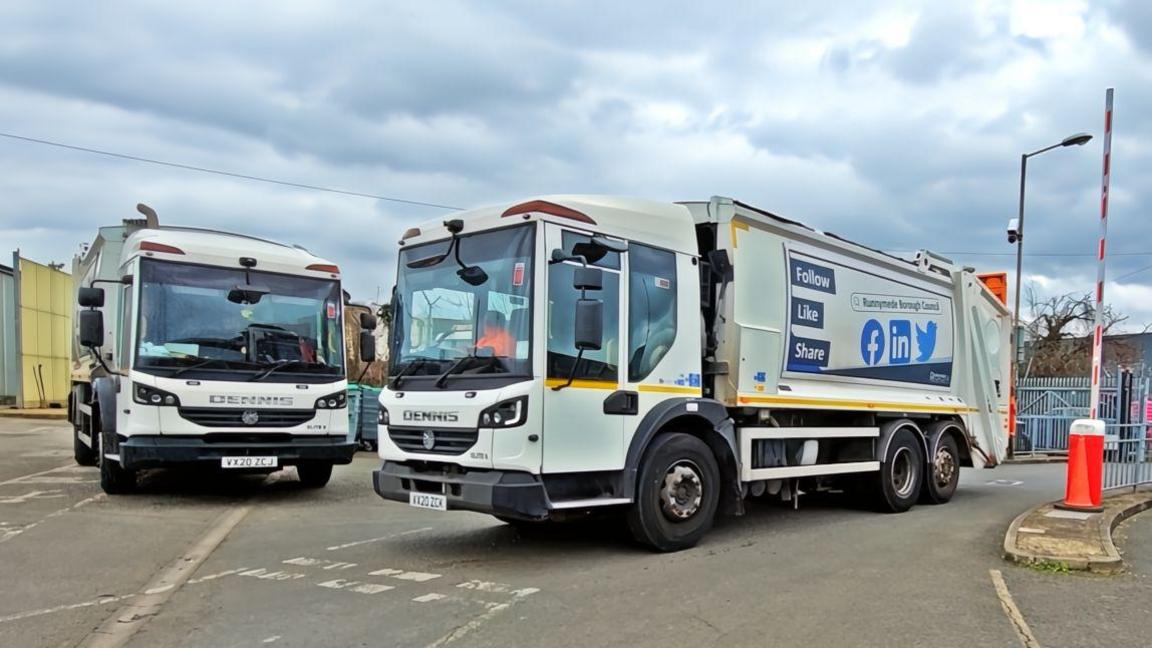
(511, 494)
(158, 451)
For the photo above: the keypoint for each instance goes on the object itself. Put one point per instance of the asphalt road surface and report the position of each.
(217, 560)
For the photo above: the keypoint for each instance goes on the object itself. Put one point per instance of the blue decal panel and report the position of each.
(806, 312)
(812, 276)
(855, 320)
(806, 354)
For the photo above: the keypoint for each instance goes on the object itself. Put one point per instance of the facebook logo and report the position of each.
(900, 342)
(872, 342)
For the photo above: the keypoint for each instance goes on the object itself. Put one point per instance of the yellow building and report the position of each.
(41, 306)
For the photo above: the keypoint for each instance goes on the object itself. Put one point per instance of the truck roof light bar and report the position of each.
(324, 267)
(149, 246)
(411, 232)
(545, 207)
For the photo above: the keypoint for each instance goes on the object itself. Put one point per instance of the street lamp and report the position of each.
(1016, 235)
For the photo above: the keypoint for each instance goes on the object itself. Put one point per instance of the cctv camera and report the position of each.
(1014, 231)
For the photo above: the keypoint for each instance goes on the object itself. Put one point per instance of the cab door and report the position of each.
(577, 435)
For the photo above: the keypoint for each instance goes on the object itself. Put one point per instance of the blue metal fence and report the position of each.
(1127, 460)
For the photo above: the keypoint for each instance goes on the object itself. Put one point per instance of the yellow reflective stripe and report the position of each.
(737, 225)
(670, 389)
(856, 404)
(582, 384)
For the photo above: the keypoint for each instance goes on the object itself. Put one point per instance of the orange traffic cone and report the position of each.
(1084, 490)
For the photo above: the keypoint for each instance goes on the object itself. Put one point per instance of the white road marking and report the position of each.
(222, 574)
(103, 600)
(304, 561)
(355, 586)
(12, 533)
(498, 588)
(16, 480)
(52, 479)
(32, 495)
(271, 639)
(264, 574)
(338, 583)
(369, 540)
(419, 577)
(475, 623)
(428, 598)
(118, 629)
(372, 588)
(1023, 632)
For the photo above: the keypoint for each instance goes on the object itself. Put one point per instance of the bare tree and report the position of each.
(1060, 330)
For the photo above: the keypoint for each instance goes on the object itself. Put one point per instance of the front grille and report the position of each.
(228, 417)
(448, 441)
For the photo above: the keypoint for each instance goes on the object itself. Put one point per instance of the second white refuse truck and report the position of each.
(568, 354)
(207, 348)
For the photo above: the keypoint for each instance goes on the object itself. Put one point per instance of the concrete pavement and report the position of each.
(338, 566)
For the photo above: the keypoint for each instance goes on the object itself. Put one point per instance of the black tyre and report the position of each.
(677, 493)
(84, 454)
(901, 473)
(314, 475)
(943, 472)
(114, 480)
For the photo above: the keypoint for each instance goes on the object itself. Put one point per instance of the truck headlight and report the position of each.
(145, 395)
(333, 401)
(509, 413)
(382, 417)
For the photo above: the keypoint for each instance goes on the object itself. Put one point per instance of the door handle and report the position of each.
(622, 401)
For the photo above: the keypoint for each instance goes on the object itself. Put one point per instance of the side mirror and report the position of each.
(247, 294)
(90, 297)
(367, 346)
(91, 327)
(589, 324)
(587, 278)
(367, 321)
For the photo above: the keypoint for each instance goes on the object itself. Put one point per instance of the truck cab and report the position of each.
(207, 348)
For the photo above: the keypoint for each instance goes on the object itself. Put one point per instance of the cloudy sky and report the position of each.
(899, 125)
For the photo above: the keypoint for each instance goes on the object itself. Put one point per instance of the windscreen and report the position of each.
(222, 319)
(441, 320)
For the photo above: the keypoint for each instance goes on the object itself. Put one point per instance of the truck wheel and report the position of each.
(943, 473)
(114, 480)
(314, 475)
(677, 493)
(901, 473)
(84, 455)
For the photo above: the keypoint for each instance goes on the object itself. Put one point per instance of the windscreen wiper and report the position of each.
(276, 367)
(442, 378)
(412, 365)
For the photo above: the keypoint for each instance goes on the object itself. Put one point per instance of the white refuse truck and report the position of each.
(570, 354)
(201, 347)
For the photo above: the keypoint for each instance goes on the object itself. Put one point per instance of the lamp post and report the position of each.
(1016, 235)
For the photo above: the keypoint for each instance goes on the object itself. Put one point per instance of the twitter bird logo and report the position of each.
(925, 341)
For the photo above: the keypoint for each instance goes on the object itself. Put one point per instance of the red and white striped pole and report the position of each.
(1098, 329)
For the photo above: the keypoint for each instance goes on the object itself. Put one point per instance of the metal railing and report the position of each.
(1035, 433)
(1127, 455)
